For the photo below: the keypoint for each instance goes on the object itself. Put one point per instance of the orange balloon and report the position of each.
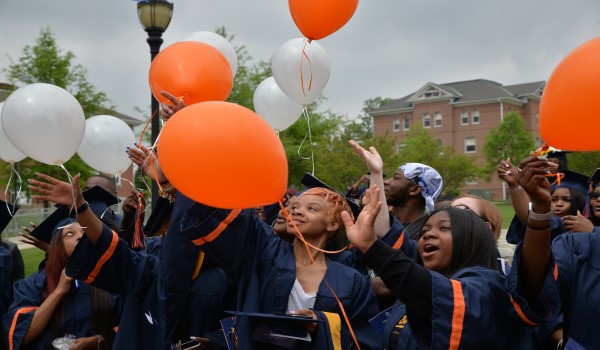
(570, 106)
(223, 155)
(317, 19)
(191, 70)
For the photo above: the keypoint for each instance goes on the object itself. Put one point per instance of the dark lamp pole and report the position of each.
(155, 16)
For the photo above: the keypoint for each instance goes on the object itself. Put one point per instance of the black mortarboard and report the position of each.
(59, 218)
(311, 181)
(7, 211)
(160, 214)
(282, 330)
(571, 180)
(594, 180)
(100, 200)
(560, 155)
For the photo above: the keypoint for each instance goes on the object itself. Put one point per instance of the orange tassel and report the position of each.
(139, 239)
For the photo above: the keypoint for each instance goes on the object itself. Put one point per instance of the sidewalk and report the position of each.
(21, 245)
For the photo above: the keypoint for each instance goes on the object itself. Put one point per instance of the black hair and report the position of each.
(577, 202)
(472, 241)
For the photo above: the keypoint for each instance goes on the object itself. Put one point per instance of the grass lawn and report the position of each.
(507, 212)
(32, 258)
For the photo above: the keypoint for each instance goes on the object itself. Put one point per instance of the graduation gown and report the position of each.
(28, 298)
(6, 287)
(264, 268)
(516, 231)
(152, 301)
(575, 271)
(472, 310)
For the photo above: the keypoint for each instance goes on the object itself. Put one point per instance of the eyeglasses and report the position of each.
(595, 195)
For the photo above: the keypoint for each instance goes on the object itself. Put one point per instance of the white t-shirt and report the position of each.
(299, 299)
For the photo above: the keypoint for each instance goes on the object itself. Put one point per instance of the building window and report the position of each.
(399, 147)
(475, 117)
(438, 120)
(471, 182)
(537, 119)
(464, 118)
(440, 143)
(426, 121)
(470, 145)
(396, 124)
(406, 123)
(432, 93)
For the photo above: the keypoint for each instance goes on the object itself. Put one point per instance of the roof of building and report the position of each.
(464, 92)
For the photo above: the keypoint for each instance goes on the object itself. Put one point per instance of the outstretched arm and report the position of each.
(537, 243)
(69, 195)
(374, 163)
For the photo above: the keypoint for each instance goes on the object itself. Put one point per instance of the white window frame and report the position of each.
(427, 121)
(406, 123)
(475, 117)
(399, 147)
(470, 142)
(396, 124)
(438, 117)
(464, 118)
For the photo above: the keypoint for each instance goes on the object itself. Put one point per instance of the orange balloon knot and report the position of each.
(542, 151)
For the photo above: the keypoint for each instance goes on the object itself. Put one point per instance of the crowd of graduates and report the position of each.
(387, 265)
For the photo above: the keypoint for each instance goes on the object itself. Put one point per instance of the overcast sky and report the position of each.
(390, 48)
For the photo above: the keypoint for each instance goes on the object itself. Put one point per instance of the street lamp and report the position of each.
(155, 16)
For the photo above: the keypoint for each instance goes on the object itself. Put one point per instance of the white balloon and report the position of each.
(219, 43)
(44, 121)
(8, 152)
(302, 76)
(104, 143)
(274, 106)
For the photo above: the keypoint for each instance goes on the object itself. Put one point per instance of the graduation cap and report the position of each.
(560, 155)
(282, 330)
(594, 180)
(311, 181)
(7, 212)
(59, 218)
(571, 180)
(161, 213)
(100, 200)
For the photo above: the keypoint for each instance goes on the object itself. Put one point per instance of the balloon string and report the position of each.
(154, 173)
(309, 135)
(20, 182)
(61, 165)
(309, 65)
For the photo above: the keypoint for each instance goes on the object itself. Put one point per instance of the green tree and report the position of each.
(421, 147)
(507, 140)
(584, 162)
(363, 125)
(44, 62)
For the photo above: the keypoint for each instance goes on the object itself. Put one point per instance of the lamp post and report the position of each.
(155, 16)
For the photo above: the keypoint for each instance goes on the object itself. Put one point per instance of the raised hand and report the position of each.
(148, 161)
(59, 192)
(533, 180)
(508, 173)
(27, 238)
(371, 157)
(362, 234)
(167, 109)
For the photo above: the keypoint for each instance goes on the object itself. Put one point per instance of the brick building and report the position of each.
(460, 115)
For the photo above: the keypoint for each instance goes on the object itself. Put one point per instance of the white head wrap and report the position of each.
(426, 177)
